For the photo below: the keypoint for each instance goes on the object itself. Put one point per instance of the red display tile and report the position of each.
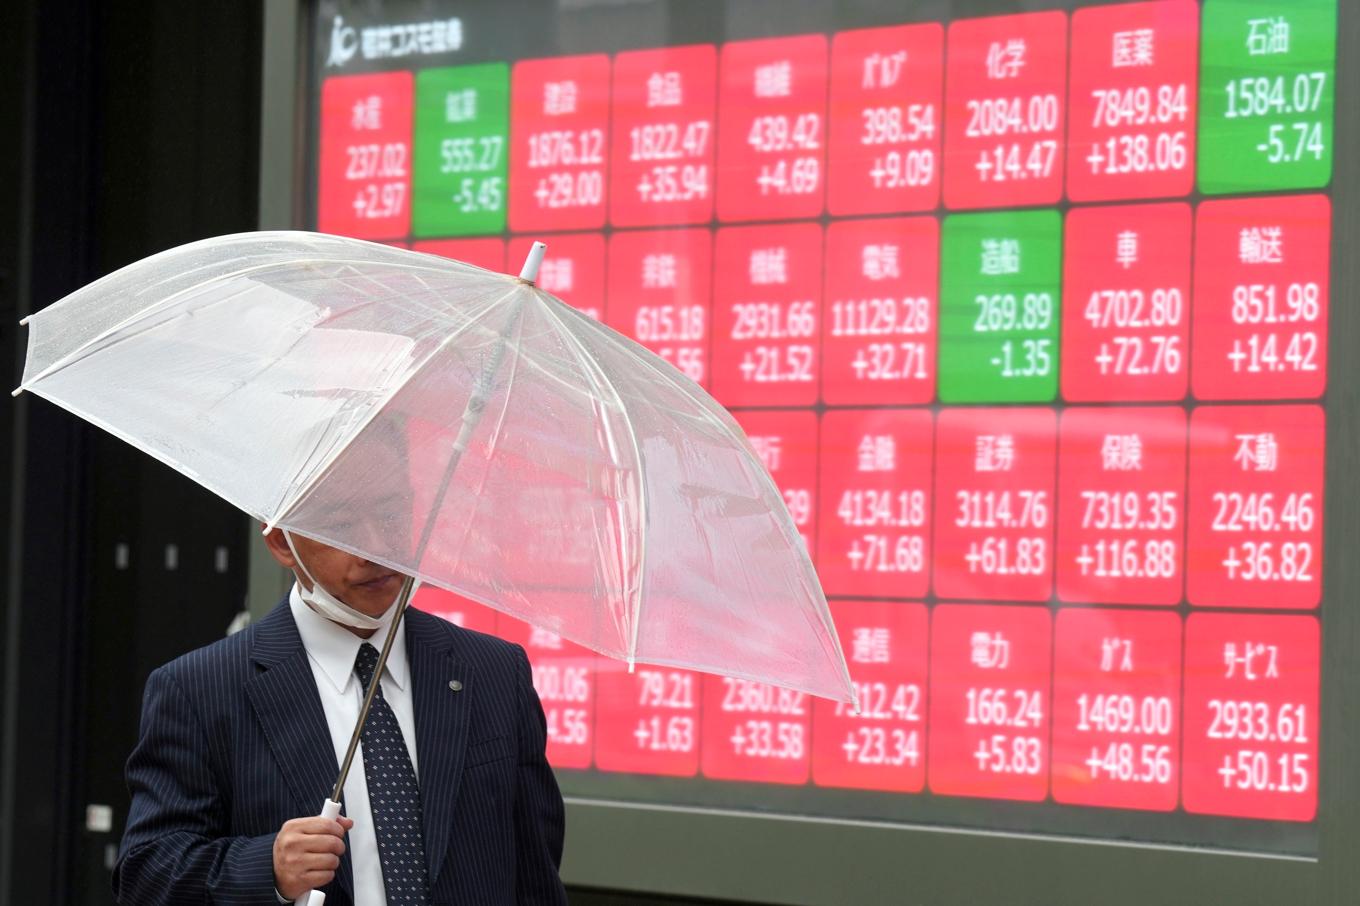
(765, 315)
(1116, 709)
(559, 117)
(1261, 298)
(364, 161)
(885, 119)
(646, 722)
(994, 503)
(573, 269)
(1256, 501)
(879, 315)
(564, 677)
(458, 610)
(1005, 91)
(663, 121)
(659, 285)
(989, 714)
(787, 445)
(488, 253)
(1132, 111)
(883, 747)
(1251, 716)
(772, 128)
(1121, 505)
(875, 503)
(753, 731)
(1126, 303)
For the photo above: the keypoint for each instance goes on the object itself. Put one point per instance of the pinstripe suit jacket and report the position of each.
(233, 743)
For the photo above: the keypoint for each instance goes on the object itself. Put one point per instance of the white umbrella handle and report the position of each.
(331, 809)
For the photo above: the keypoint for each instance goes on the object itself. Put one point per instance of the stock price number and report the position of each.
(1153, 511)
(1111, 558)
(1256, 771)
(665, 734)
(1262, 561)
(1255, 721)
(1126, 762)
(1118, 713)
(882, 553)
(1001, 509)
(1016, 708)
(882, 746)
(669, 324)
(1004, 754)
(777, 364)
(890, 362)
(881, 317)
(1257, 512)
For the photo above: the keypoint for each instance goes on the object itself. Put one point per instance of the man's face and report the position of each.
(368, 587)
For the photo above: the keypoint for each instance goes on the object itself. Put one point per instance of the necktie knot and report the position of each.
(364, 664)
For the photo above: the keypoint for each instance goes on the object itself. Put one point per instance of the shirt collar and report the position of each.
(335, 648)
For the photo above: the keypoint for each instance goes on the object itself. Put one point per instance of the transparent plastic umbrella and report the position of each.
(461, 426)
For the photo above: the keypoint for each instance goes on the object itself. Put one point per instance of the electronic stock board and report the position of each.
(1027, 313)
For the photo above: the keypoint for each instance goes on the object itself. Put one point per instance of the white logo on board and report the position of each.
(344, 43)
(380, 42)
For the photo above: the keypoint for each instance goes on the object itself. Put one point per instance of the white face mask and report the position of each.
(327, 604)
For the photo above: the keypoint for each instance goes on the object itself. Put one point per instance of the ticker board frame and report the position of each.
(761, 857)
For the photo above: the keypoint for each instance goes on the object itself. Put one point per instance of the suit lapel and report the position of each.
(441, 728)
(288, 707)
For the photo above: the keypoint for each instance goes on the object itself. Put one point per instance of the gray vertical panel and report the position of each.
(1339, 752)
(282, 85)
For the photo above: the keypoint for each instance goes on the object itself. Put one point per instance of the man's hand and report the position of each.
(307, 852)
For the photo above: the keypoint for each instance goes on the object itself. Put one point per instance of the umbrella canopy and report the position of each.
(332, 387)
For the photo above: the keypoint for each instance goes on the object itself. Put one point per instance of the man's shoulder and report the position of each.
(228, 657)
(465, 644)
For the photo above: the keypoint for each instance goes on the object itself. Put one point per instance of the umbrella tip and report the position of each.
(17, 390)
(24, 320)
(529, 273)
(632, 665)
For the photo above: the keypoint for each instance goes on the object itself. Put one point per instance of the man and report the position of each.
(449, 800)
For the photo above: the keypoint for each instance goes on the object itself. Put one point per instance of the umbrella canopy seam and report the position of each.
(74, 355)
(679, 381)
(640, 465)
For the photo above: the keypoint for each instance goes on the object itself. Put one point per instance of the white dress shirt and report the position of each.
(331, 650)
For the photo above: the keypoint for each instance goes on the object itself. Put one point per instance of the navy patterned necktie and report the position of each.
(393, 795)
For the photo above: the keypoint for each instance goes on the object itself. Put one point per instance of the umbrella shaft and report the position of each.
(472, 417)
(403, 598)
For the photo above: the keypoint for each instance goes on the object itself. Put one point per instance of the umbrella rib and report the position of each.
(142, 313)
(675, 380)
(682, 386)
(593, 371)
(321, 469)
(495, 431)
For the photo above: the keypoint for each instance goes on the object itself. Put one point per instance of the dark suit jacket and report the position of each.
(234, 743)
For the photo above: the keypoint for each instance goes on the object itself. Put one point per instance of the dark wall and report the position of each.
(133, 127)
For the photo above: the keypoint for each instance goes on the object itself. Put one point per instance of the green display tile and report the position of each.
(462, 142)
(1000, 295)
(1266, 95)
